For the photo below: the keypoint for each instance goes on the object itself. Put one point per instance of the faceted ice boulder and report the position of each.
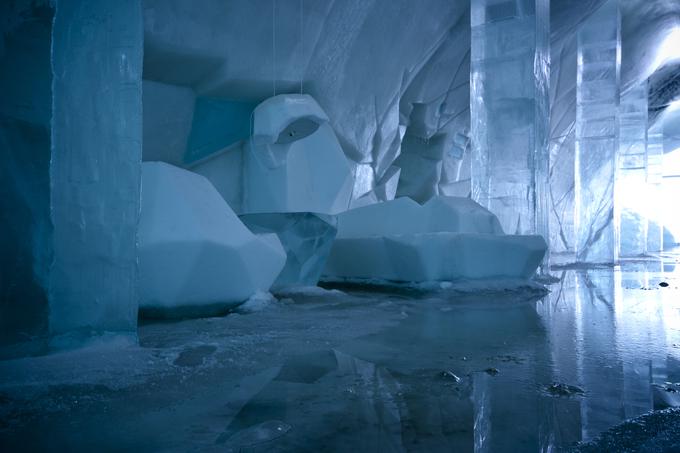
(447, 238)
(195, 255)
(294, 162)
(307, 239)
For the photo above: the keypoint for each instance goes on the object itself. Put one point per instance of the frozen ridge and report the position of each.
(446, 239)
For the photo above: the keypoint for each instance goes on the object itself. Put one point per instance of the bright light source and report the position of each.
(669, 49)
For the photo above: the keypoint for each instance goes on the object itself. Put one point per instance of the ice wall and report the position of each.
(654, 187)
(25, 227)
(632, 171)
(509, 113)
(597, 103)
(95, 167)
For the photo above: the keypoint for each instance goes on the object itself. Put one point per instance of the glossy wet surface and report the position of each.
(371, 371)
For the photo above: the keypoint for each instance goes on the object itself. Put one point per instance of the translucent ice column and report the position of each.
(510, 62)
(654, 187)
(632, 173)
(97, 48)
(597, 102)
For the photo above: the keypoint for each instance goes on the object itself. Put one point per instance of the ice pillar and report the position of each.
(597, 103)
(632, 172)
(510, 62)
(96, 164)
(655, 188)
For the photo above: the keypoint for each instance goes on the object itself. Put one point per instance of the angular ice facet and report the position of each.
(510, 61)
(95, 167)
(597, 135)
(224, 170)
(294, 162)
(306, 238)
(195, 255)
(448, 238)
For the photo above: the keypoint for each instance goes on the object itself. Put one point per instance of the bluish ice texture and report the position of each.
(217, 124)
(95, 168)
(597, 134)
(509, 112)
(25, 227)
(632, 171)
(306, 238)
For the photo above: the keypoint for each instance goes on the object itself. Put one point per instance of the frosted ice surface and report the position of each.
(306, 238)
(291, 136)
(95, 164)
(448, 238)
(194, 252)
(224, 170)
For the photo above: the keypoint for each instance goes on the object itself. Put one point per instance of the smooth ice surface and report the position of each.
(306, 238)
(447, 238)
(95, 165)
(195, 255)
(597, 135)
(294, 163)
(655, 173)
(510, 114)
(168, 110)
(631, 180)
(362, 370)
(224, 170)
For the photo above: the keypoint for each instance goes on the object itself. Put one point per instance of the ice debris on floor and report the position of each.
(195, 255)
(447, 238)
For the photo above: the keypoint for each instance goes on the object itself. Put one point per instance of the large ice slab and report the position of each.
(307, 239)
(448, 238)
(97, 53)
(195, 255)
(597, 134)
(294, 162)
(509, 114)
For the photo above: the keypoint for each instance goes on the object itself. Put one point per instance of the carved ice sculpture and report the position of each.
(293, 162)
(195, 255)
(447, 238)
(307, 239)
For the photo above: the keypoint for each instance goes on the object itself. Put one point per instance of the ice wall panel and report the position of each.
(655, 188)
(597, 135)
(25, 227)
(632, 171)
(96, 164)
(509, 114)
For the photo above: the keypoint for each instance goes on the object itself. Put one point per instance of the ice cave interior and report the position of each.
(340, 225)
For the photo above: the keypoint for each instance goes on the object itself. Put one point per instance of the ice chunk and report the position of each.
(294, 162)
(195, 255)
(448, 238)
(307, 239)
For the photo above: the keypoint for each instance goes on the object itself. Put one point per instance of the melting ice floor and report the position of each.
(364, 370)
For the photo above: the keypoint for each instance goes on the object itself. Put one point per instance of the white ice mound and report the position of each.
(194, 252)
(294, 162)
(448, 238)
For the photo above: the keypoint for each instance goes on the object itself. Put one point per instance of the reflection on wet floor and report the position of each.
(372, 371)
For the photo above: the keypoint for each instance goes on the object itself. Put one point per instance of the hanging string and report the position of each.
(274, 45)
(302, 45)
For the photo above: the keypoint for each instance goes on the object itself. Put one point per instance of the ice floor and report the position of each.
(362, 370)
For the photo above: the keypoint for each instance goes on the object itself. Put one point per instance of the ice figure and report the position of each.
(510, 62)
(448, 238)
(597, 130)
(195, 255)
(306, 238)
(224, 170)
(655, 187)
(95, 165)
(632, 170)
(293, 162)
